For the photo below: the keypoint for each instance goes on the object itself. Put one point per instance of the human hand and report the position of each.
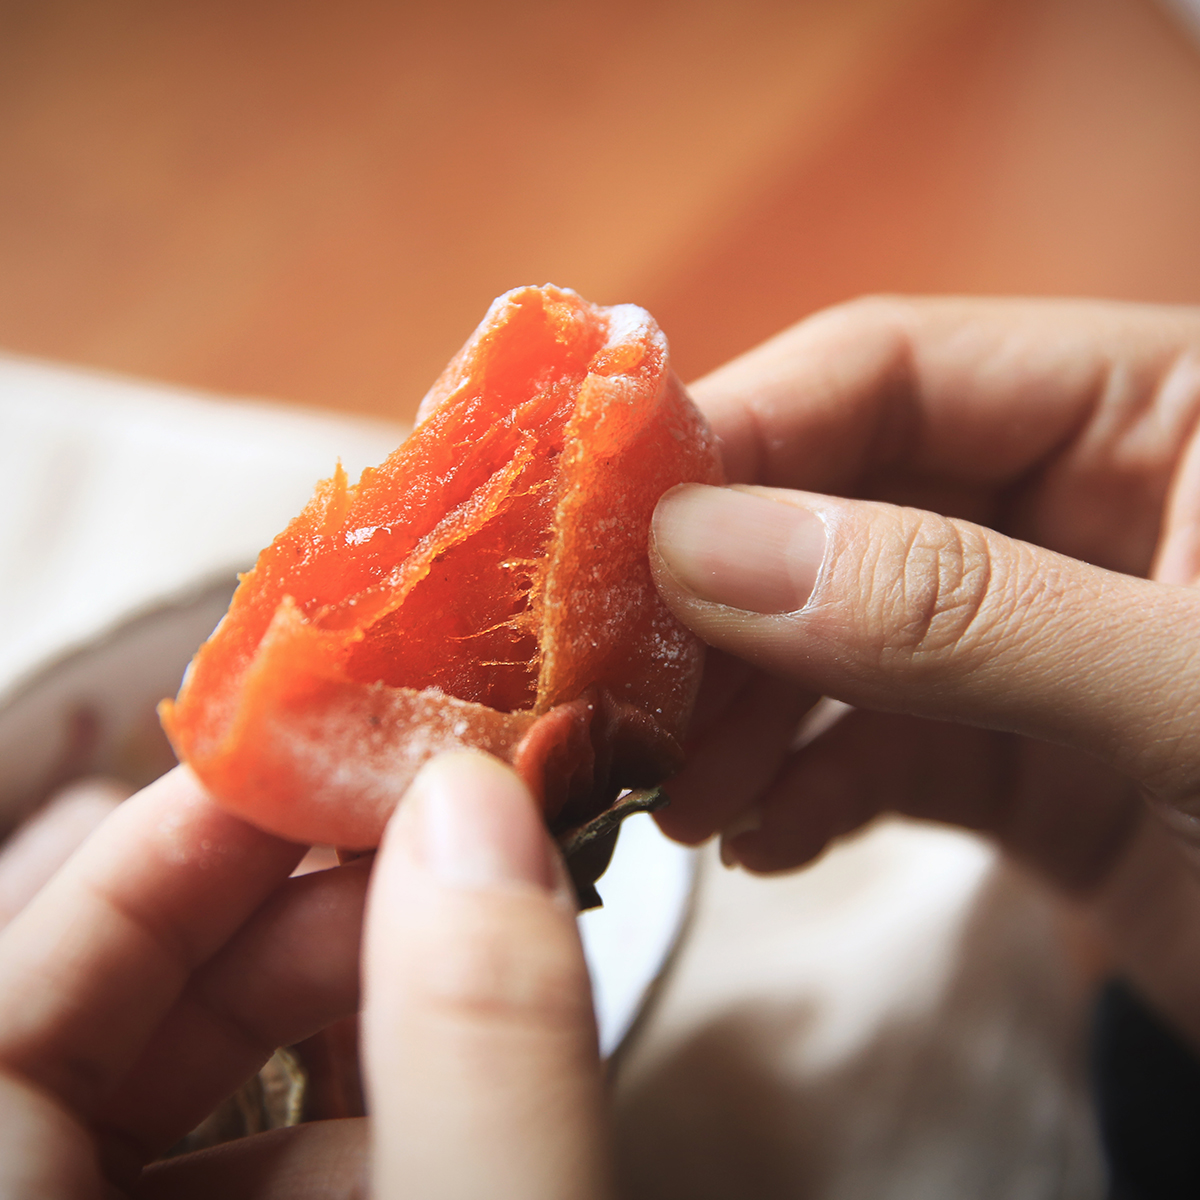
(1023, 646)
(159, 968)
(31, 854)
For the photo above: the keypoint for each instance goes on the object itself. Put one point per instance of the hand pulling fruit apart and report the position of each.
(486, 586)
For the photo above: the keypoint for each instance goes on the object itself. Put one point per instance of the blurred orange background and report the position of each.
(317, 202)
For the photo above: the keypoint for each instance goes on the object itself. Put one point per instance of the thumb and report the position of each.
(906, 611)
(483, 1071)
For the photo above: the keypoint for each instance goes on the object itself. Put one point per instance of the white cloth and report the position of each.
(118, 495)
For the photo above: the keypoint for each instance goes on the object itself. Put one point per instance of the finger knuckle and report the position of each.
(484, 978)
(935, 590)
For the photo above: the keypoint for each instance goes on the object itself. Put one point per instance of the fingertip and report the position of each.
(682, 826)
(748, 821)
(471, 822)
(728, 853)
(761, 853)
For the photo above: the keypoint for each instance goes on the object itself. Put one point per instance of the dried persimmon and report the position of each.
(486, 586)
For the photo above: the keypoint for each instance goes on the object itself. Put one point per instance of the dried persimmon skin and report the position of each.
(487, 585)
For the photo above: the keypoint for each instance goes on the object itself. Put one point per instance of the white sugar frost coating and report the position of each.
(624, 322)
(356, 537)
(345, 751)
(629, 323)
(671, 643)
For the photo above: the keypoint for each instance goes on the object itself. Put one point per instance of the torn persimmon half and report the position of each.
(487, 586)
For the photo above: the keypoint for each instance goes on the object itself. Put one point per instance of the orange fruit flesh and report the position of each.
(491, 575)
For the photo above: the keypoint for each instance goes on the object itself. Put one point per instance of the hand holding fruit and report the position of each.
(1002, 577)
(157, 970)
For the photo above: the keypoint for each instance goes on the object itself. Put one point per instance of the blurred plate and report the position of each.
(93, 711)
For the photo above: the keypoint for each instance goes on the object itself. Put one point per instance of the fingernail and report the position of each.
(478, 826)
(747, 822)
(739, 548)
(1183, 824)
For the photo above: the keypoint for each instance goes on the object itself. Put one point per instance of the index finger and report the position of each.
(93, 963)
(980, 391)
